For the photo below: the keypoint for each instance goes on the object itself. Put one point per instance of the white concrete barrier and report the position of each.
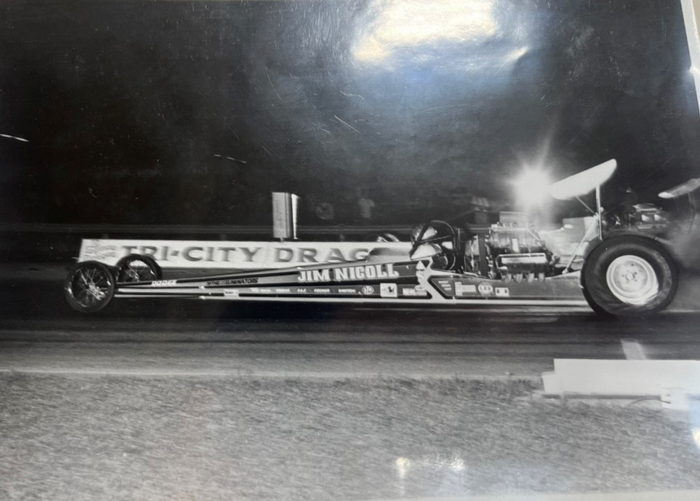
(623, 378)
(676, 495)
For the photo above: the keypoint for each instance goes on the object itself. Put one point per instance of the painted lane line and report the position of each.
(246, 373)
(633, 349)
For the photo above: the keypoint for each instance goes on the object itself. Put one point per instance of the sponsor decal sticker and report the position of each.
(418, 290)
(367, 290)
(445, 285)
(233, 281)
(231, 293)
(163, 283)
(388, 290)
(502, 292)
(485, 289)
(314, 276)
(462, 289)
(349, 273)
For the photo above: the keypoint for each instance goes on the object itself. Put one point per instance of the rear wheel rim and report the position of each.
(632, 280)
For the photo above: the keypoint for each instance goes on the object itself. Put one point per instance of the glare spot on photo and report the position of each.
(457, 465)
(402, 466)
(410, 23)
(696, 436)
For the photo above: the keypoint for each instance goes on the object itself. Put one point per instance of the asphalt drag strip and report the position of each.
(394, 344)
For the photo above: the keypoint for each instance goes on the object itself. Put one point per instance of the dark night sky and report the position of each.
(126, 104)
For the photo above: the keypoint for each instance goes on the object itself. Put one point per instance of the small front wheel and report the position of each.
(138, 268)
(89, 287)
(629, 275)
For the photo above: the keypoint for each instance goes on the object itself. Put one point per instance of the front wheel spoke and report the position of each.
(101, 280)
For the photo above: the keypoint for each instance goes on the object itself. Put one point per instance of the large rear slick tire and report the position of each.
(89, 286)
(629, 276)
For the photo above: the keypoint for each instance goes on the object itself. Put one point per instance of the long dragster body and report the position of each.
(368, 281)
(623, 265)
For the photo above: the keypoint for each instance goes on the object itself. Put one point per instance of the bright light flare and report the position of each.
(532, 187)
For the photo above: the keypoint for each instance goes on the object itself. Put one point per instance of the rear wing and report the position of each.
(682, 189)
(584, 182)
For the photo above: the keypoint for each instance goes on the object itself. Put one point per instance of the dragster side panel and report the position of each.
(363, 282)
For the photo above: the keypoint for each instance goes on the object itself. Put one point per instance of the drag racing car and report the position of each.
(623, 265)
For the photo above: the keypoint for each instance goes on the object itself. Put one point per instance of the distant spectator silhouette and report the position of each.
(365, 207)
(324, 211)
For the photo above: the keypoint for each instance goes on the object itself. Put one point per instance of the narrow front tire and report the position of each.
(137, 268)
(89, 287)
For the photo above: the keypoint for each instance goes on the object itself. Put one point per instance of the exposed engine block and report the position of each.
(511, 250)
